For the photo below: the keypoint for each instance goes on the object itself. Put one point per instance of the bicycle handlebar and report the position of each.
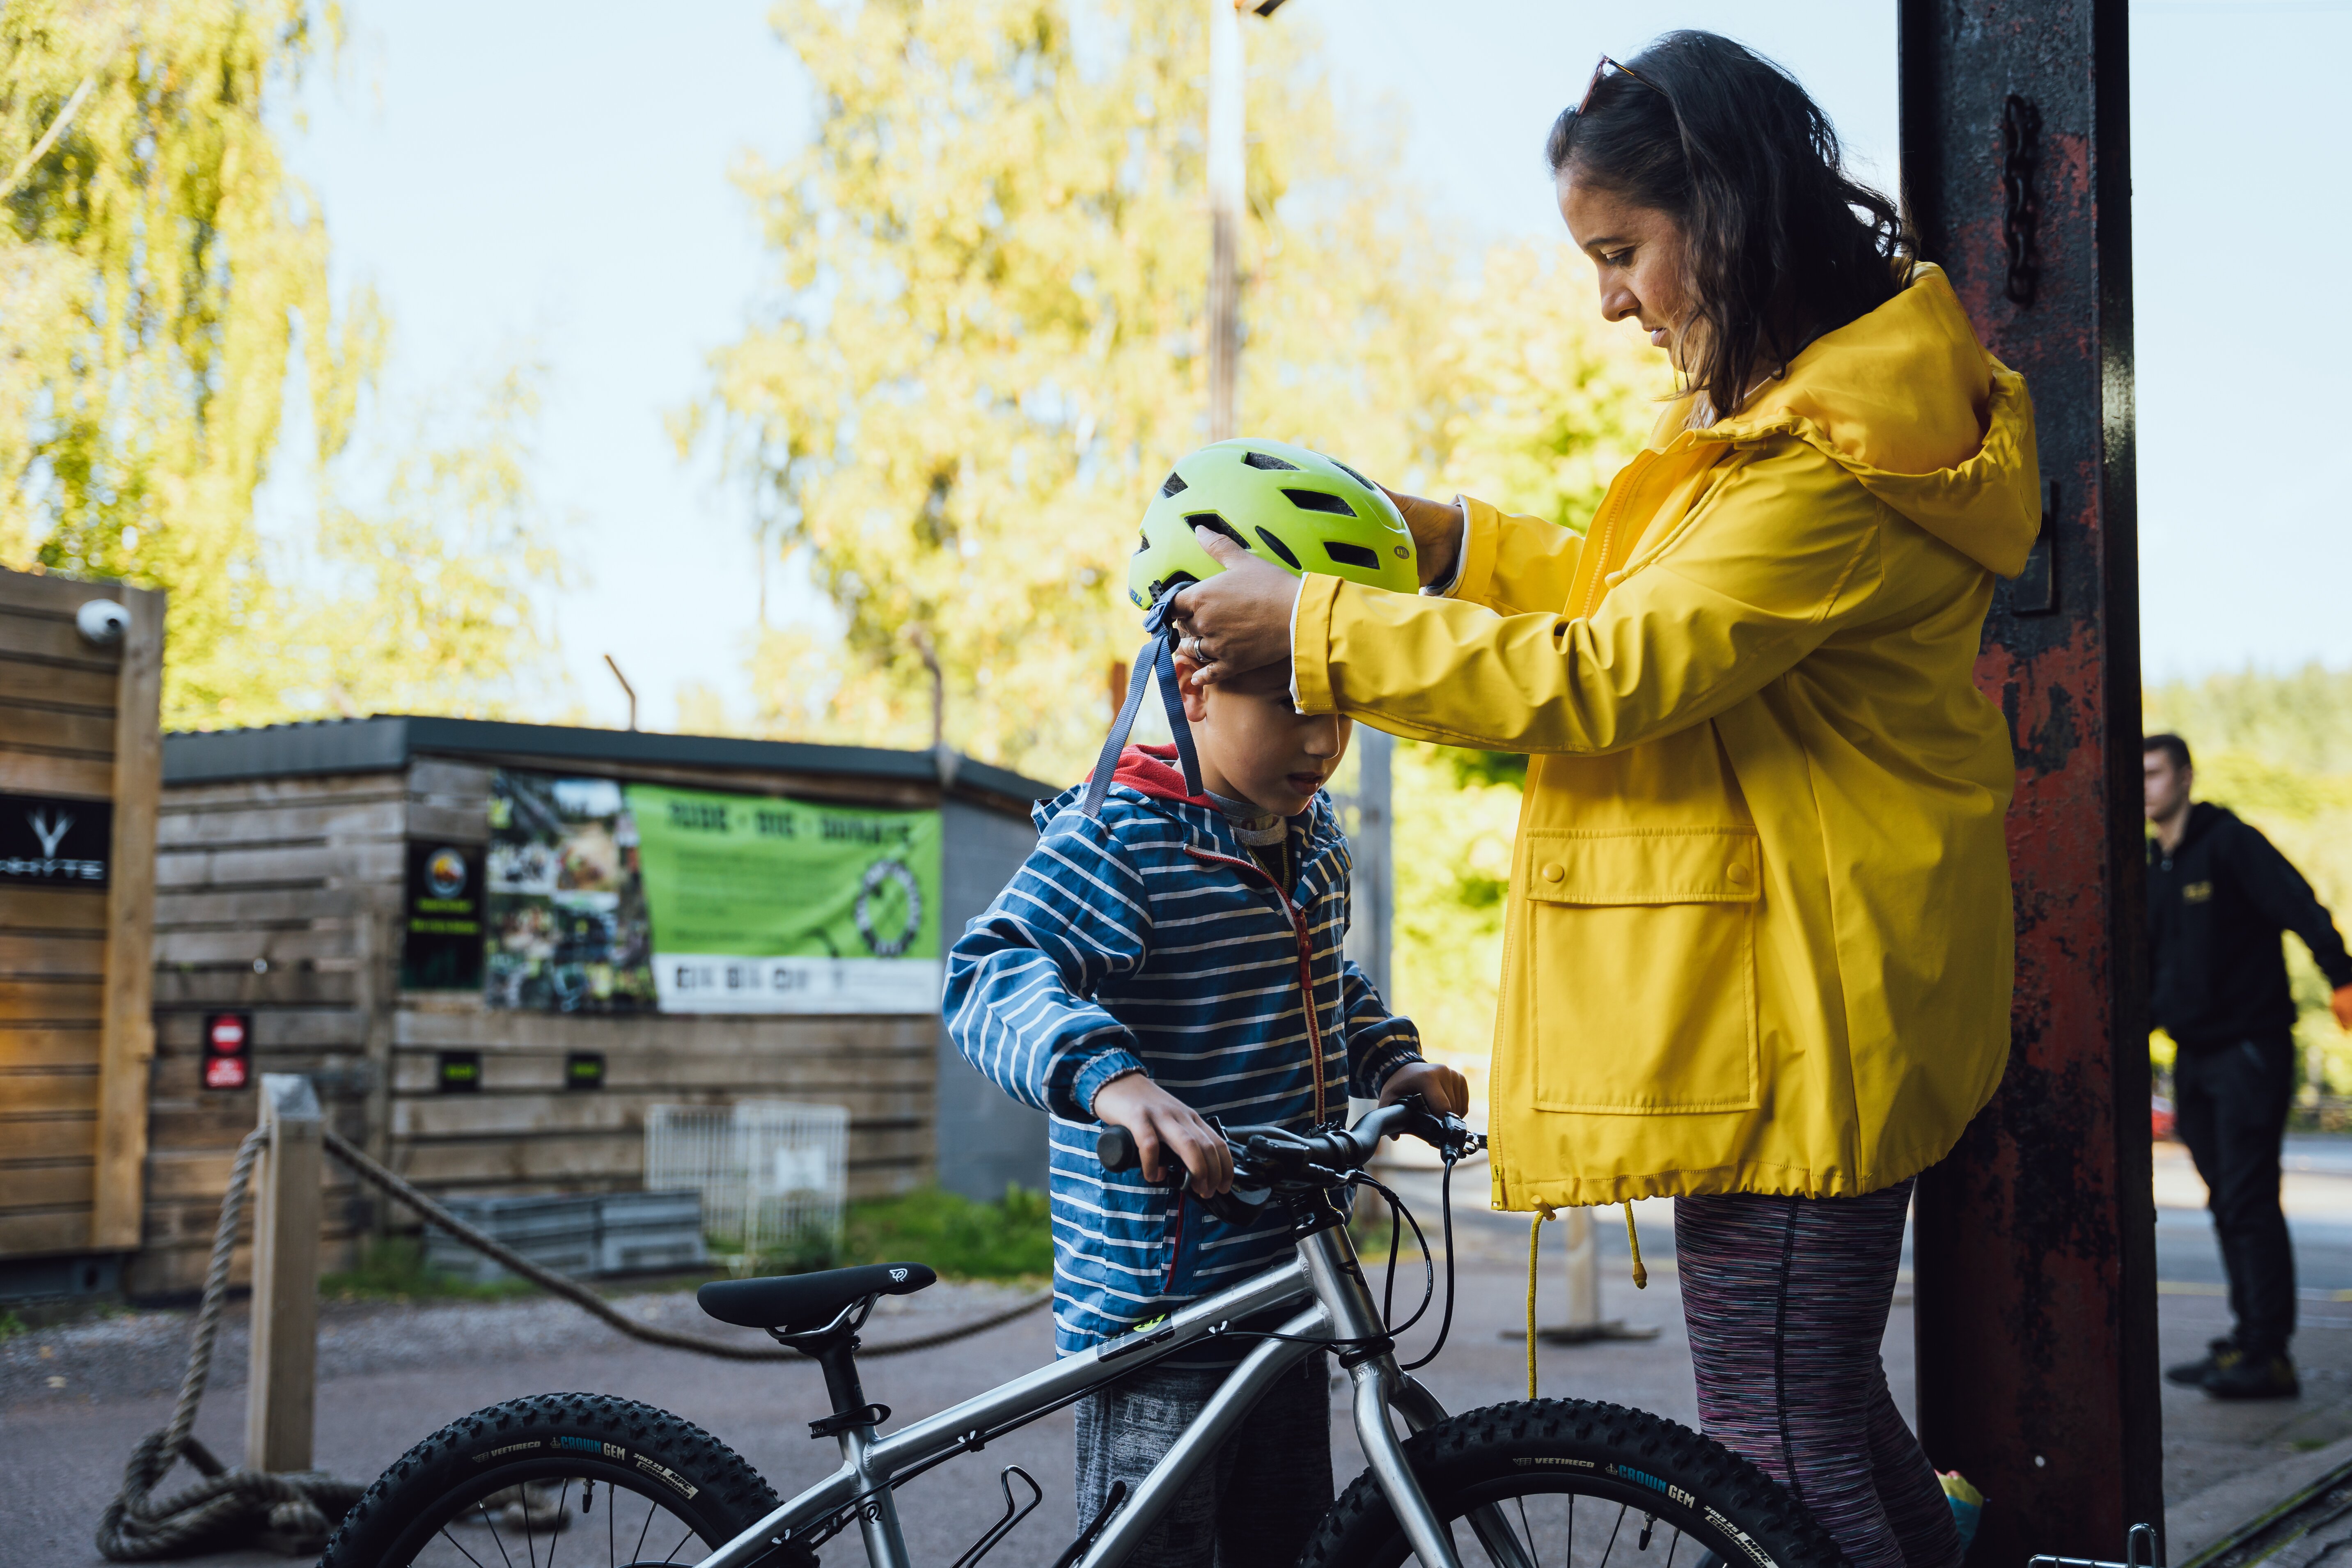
(1336, 1150)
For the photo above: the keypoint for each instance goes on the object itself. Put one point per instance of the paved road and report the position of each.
(73, 1400)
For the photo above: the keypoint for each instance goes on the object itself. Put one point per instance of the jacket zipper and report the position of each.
(1306, 962)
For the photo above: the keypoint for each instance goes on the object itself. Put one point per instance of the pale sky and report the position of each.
(550, 181)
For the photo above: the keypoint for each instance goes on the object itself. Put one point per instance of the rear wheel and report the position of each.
(609, 1482)
(1558, 1483)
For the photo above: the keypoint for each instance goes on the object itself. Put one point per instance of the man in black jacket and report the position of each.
(2219, 896)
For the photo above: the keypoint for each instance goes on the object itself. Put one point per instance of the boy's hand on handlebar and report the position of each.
(1163, 1125)
(1441, 1087)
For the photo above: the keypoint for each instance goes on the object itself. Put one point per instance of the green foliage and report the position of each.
(2301, 722)
(391, 1269)
(1457, 817)
(158, 265)
(2277, 750)
(1012, 1238)
(11, 1326)
(159, 269)
(993, 262)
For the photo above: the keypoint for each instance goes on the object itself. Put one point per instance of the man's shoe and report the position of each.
(2193, 1373)
(2245, 1376)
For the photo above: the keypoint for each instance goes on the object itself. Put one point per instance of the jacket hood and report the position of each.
(1149, 770)
(1908, 402)
(1152, 771)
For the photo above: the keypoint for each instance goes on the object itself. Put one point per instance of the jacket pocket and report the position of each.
(1644, 951)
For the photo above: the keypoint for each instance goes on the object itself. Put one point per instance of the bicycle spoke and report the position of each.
(637, 1553)
(460, 1546)
(613, 1496)
(1676, 1545)
(1534, 1556)
(1569, 1559)
(671, 1555)
(555, 1530)
(501, 1541)
(1622, 1509)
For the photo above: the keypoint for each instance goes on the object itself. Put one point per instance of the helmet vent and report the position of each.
(1175, 482)
(1215, 524)
(1351, 473)
(1279, 548)
(1267, 460)
(1351, 555)
(1320, 501)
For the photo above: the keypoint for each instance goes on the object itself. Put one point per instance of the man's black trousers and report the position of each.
(2229, 1105)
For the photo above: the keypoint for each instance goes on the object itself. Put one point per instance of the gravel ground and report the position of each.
(140, 1355)
(74, 1398)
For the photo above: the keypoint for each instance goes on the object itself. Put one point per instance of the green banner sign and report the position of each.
(761, 905)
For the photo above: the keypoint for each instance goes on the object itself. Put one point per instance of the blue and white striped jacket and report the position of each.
(1149, 938)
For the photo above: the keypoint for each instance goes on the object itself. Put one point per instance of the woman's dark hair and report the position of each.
(1782, 245)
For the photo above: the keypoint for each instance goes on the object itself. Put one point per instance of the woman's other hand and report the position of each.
(1440, 1087)
(1163, 1125)
(1238, 620)
(1436, 528)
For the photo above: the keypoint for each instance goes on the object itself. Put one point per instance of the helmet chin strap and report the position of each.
(1156, 657)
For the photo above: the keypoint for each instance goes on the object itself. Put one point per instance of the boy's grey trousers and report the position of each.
(1253, 1505)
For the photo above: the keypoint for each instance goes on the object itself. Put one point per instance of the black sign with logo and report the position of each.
(53, 843)
(583, 1069)
(441, 950)
(460, 1072)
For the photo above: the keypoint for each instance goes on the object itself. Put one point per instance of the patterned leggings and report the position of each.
(1786, 1301)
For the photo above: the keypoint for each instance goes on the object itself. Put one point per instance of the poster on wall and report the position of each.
(606, 897)
(764, 905)
(441, 936)
(567, 909)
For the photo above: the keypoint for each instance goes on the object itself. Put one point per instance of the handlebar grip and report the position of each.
(1114, 1147)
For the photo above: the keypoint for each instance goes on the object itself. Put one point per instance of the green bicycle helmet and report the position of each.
(1300, 510)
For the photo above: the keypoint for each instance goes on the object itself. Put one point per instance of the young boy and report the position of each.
(1177, 957)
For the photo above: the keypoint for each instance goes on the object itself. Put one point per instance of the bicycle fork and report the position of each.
(1378, 1385)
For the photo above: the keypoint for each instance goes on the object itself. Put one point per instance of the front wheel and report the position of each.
(1568, 1483)
(608, 1481)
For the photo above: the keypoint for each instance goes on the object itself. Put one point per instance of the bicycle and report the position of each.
(1513, 1474)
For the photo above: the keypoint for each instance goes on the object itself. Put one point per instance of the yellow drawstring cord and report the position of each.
(1535, 1235)
(1535, 1252)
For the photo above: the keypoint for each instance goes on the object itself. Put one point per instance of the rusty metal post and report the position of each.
(2035, 1243)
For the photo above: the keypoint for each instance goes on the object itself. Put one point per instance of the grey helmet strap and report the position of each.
(1155, 660)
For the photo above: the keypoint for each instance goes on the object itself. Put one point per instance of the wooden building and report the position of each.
(285, 902)
(80, 686)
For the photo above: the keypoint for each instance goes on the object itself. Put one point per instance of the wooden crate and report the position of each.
(77, 722)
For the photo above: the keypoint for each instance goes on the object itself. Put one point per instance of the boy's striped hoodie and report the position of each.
(1150, 936)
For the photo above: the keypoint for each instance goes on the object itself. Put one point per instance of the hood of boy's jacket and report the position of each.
(1153, 771)
(1906, 401)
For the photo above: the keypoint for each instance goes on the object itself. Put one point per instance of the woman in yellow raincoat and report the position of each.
(1759, 939)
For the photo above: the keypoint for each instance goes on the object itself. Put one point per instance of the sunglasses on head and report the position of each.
(1600, 73)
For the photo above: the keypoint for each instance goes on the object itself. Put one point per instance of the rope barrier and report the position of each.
(229, 1506)
(579, 1295)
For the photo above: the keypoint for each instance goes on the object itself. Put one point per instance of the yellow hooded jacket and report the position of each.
(1758, 935)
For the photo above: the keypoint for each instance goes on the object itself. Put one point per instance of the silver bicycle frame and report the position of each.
(1337, 1307)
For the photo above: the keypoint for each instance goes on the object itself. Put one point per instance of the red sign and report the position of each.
(228, 1045)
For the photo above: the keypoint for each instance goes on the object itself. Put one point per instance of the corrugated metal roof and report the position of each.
(385, 741)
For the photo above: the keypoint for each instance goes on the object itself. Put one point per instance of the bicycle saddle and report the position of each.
(797, 1304)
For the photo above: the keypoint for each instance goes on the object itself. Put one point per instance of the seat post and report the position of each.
(836, 1352)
